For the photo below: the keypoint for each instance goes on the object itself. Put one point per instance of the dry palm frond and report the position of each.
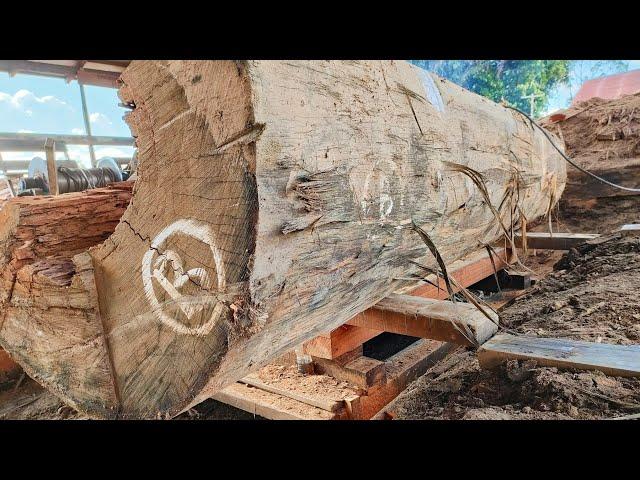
(449, 281)
(478, 180)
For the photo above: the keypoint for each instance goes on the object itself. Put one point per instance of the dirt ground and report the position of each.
(591, 295)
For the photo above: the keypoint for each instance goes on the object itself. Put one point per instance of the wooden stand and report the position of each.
(349, 385)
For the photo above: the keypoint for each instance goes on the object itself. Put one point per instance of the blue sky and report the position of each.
(31, 103)
(49, 105)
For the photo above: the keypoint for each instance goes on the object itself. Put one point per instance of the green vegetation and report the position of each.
(510, 80)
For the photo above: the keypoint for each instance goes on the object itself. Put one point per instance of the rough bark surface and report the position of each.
(49, 317)
(274, 202)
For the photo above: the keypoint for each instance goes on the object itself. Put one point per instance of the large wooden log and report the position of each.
(274, 202)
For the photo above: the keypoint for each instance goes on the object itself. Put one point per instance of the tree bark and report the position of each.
(274, 202)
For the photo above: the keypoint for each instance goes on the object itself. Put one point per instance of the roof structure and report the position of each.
(609, 87)
(101, 73)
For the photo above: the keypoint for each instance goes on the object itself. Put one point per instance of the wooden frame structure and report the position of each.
(418, 310)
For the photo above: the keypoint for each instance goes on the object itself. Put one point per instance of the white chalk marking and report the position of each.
(189, 305)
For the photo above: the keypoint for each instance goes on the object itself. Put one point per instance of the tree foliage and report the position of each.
(507, 80)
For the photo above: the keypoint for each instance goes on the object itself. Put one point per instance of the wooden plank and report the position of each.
(363, 372)
(270, 405)
(466, 271)
(339, 341)
(429, 318)
(555, 241)
(617, 360)
(329, 404)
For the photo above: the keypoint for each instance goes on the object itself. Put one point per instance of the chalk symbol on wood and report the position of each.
(158, 261)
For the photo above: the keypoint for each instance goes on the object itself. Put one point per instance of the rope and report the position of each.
(571, 162)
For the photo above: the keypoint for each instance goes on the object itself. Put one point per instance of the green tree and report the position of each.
(507, 80)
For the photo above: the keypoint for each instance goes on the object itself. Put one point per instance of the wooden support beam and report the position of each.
(52, 170)
(8, 368)
(339, 341)
(429, 318)
(328, 404)
(270, 405)
(555, 241)
(466, 271)
(616, 360)
(363, 372)
(11, 140)
(403, 368)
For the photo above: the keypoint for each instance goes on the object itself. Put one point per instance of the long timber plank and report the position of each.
(465, 271)
(270, 405)
(460, 323)
(616, 360)
(555, 241)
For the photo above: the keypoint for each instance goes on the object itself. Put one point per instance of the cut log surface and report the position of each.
(274, 202)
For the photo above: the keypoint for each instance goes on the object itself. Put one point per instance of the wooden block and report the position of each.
(429, 318)
(555, 241)
(403, 368)
(339, 341)
(362, 372)
(270, 405)
(617, 360)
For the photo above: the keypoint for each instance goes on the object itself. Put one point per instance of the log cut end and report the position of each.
(173, 278)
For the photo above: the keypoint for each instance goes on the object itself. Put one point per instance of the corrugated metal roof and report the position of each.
(609, 87)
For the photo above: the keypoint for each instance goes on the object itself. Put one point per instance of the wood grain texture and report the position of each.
(273, 203)
(616, 360)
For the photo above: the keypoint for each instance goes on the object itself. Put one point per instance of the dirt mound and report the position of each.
(599, 133)
(459, 389)
(591, 295)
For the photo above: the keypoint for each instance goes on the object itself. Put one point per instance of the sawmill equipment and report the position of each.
(70, 177)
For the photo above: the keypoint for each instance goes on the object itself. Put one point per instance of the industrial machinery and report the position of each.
(70, 177)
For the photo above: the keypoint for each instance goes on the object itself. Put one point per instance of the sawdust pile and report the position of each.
(591, 296)
(598, 133)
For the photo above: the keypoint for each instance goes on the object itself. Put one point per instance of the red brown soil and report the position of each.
(600, 133)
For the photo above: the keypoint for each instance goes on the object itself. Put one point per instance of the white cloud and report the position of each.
(77, 131)
(112, 152)
(97, 117)
(22, 98)
(25, 131)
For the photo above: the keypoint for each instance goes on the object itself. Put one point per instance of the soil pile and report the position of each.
(592, 296)
(599, 133)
